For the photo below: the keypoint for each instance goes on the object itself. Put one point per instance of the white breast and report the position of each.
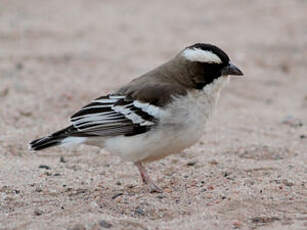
(181, 125)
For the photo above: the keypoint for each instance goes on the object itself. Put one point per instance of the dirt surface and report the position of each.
(247, 172)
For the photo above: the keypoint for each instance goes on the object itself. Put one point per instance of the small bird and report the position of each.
(159, 113)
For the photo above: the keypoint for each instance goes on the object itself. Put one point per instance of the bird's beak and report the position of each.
(231, 69)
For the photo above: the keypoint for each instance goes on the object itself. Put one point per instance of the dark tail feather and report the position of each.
(45, 142)
(52, 140)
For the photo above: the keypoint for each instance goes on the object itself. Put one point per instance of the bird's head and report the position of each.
(207, 63)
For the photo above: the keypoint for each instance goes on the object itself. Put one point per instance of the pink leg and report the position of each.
(146, 179)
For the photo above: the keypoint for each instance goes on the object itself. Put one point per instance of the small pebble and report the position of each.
(38, 212)
(44, 167)
(264, 219)
(213, 162)
(5, 92)
(105, 224)
(139, 211)
(19, 66)
(236, 224)
(226, 174)
(160, 197)
(130, 186)
(62, 160)
(25, 113)
(38, 189)
(47, 173)
(117, 195)
(287, 183)
(78, 227)
(192, 163)
(291, 121)
(285, 67)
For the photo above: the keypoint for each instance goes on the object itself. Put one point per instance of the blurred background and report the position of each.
(56, 56)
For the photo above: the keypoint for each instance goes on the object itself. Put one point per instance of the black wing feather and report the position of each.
(111, 115)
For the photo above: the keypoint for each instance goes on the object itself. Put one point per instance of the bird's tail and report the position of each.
(58, 138)
(45, 142)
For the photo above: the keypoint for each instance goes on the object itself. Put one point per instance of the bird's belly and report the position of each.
(155, 144)
(175, 141)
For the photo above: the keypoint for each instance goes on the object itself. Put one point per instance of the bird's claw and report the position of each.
(154, 188)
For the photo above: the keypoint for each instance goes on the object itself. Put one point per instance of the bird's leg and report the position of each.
(146, 179)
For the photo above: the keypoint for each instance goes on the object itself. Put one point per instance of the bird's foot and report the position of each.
(154, 188)
(146, 179)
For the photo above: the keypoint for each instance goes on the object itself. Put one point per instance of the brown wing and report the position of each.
(154, 93)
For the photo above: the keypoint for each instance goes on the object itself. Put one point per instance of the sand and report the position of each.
(247, 172)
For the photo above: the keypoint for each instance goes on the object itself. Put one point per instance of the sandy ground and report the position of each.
(247, 172)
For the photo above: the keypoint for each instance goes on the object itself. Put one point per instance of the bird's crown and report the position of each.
(205, 53)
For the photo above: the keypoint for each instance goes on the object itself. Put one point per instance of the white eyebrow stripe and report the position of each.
(199, 55)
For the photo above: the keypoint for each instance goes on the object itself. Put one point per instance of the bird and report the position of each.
(162, 112)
